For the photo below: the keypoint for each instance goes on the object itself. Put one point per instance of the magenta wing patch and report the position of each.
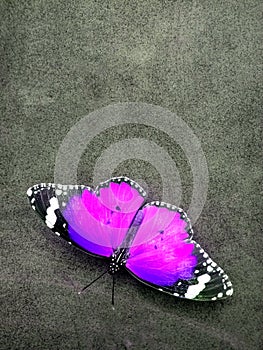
(161, 252)
(98, 221)
(125, 197)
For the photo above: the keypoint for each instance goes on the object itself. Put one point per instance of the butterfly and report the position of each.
(152, 241)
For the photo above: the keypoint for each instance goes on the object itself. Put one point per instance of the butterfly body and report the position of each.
(117, 260)
(152, 241)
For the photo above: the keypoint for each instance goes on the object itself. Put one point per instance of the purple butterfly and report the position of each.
(152, 241)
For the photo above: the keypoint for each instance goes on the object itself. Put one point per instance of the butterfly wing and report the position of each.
(164, 256)
(95, 221)
(43, 199)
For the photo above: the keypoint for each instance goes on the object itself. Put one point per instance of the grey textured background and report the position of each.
(62, 60)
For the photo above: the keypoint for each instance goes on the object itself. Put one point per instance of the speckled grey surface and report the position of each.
(62, 60)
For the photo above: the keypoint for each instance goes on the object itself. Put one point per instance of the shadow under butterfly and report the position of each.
(153, 241)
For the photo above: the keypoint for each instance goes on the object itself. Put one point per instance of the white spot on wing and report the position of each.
(196, 289)
(29, 192)
(229, 292)
(51, 217)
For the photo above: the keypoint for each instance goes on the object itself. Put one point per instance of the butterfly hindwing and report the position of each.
(98, 221)
(120, 194)
(164, 256)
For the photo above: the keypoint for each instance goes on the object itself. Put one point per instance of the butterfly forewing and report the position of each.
(210, 282)
(163, 256)
(95, 221)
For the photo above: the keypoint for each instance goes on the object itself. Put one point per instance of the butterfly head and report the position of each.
(117, 262)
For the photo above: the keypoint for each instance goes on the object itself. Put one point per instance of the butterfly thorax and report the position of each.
(120, 255)
(118, 260)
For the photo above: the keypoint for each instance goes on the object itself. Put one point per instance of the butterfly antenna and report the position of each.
(112, 294)
(96, 279)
